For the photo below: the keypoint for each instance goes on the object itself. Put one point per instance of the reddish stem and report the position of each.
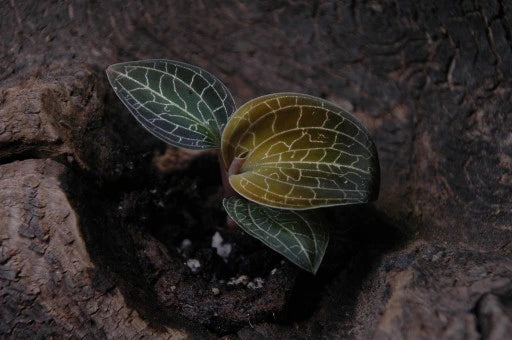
(234, 168)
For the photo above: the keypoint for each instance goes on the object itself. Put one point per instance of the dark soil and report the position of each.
(155, 214)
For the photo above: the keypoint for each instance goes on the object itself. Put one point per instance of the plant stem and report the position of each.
(228, 189)
(234, 168)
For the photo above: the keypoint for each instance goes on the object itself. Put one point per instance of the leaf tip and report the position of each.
(110, 71)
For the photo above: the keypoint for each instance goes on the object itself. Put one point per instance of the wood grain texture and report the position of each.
(430, 79)
(50, 286)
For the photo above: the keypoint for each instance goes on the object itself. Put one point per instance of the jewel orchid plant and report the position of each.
(282, 155)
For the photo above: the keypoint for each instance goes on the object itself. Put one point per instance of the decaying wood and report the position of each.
(94, 210)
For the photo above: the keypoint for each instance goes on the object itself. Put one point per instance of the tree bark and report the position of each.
(96, 212)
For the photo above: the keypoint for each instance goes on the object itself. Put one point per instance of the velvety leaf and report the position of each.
(301, 152)
(300, 236)
(179, 103)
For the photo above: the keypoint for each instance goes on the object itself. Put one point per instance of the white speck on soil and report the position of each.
(153, 191)
(193, 264)
(173, 288)
(223, 249)
(242, 279)
(257, 283)
(273, 271)
(215, 291)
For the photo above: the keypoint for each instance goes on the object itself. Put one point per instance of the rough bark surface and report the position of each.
(50, 287)
(94, 210)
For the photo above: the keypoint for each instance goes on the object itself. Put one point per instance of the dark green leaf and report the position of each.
(181, 104)
(300, 236)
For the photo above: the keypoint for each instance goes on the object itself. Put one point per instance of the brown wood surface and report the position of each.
(93, 209)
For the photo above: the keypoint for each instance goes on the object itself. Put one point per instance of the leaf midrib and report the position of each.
(191, 117)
